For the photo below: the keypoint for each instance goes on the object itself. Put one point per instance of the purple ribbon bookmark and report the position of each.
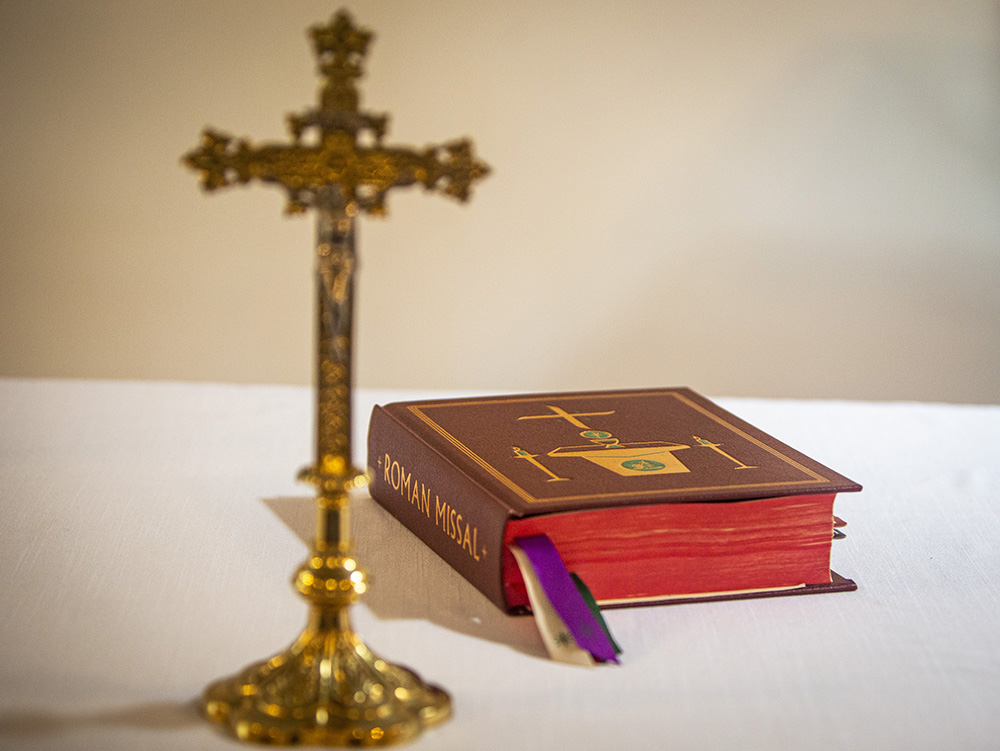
(565, 597)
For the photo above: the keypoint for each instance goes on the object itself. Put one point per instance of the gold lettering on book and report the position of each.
(451, 522)
(446, 517)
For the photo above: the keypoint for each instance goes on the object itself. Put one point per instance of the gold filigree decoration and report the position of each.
(338, 169)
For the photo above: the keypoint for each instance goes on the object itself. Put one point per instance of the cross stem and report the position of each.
(335, 266)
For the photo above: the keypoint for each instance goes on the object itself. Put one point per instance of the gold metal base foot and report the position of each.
(327, 688)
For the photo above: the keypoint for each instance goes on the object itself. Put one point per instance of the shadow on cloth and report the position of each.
(409, 580)
(167, 715)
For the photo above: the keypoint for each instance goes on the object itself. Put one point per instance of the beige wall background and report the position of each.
(760, 198)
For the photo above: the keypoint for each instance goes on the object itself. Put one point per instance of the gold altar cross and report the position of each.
(328, 687)
(339, 176)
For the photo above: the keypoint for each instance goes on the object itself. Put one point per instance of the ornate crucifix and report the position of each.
(327, 687)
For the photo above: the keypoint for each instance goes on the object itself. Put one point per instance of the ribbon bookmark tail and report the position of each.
(589, 632)
(557, 638)
(588, 598)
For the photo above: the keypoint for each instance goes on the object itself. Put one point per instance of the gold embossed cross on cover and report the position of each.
(328, 687)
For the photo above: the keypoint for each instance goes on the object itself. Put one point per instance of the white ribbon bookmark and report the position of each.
(558, 640)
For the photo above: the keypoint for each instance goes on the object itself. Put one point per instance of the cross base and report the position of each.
(327, 688)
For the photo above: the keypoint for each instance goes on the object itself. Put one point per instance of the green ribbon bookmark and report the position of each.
(588, 598)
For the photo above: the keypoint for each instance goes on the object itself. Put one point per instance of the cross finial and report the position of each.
(340, 48)
(338, 171)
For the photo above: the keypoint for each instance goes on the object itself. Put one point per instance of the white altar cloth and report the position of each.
(149, 532)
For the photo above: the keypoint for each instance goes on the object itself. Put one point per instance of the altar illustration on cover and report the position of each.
(634, 458)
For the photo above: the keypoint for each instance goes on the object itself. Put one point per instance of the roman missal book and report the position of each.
(649, 496)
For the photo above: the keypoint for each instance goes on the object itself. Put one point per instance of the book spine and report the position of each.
(452, 514)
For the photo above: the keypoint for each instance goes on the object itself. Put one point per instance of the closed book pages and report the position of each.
(650, 496)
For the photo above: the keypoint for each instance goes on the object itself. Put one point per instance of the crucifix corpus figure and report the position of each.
(328, 687)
